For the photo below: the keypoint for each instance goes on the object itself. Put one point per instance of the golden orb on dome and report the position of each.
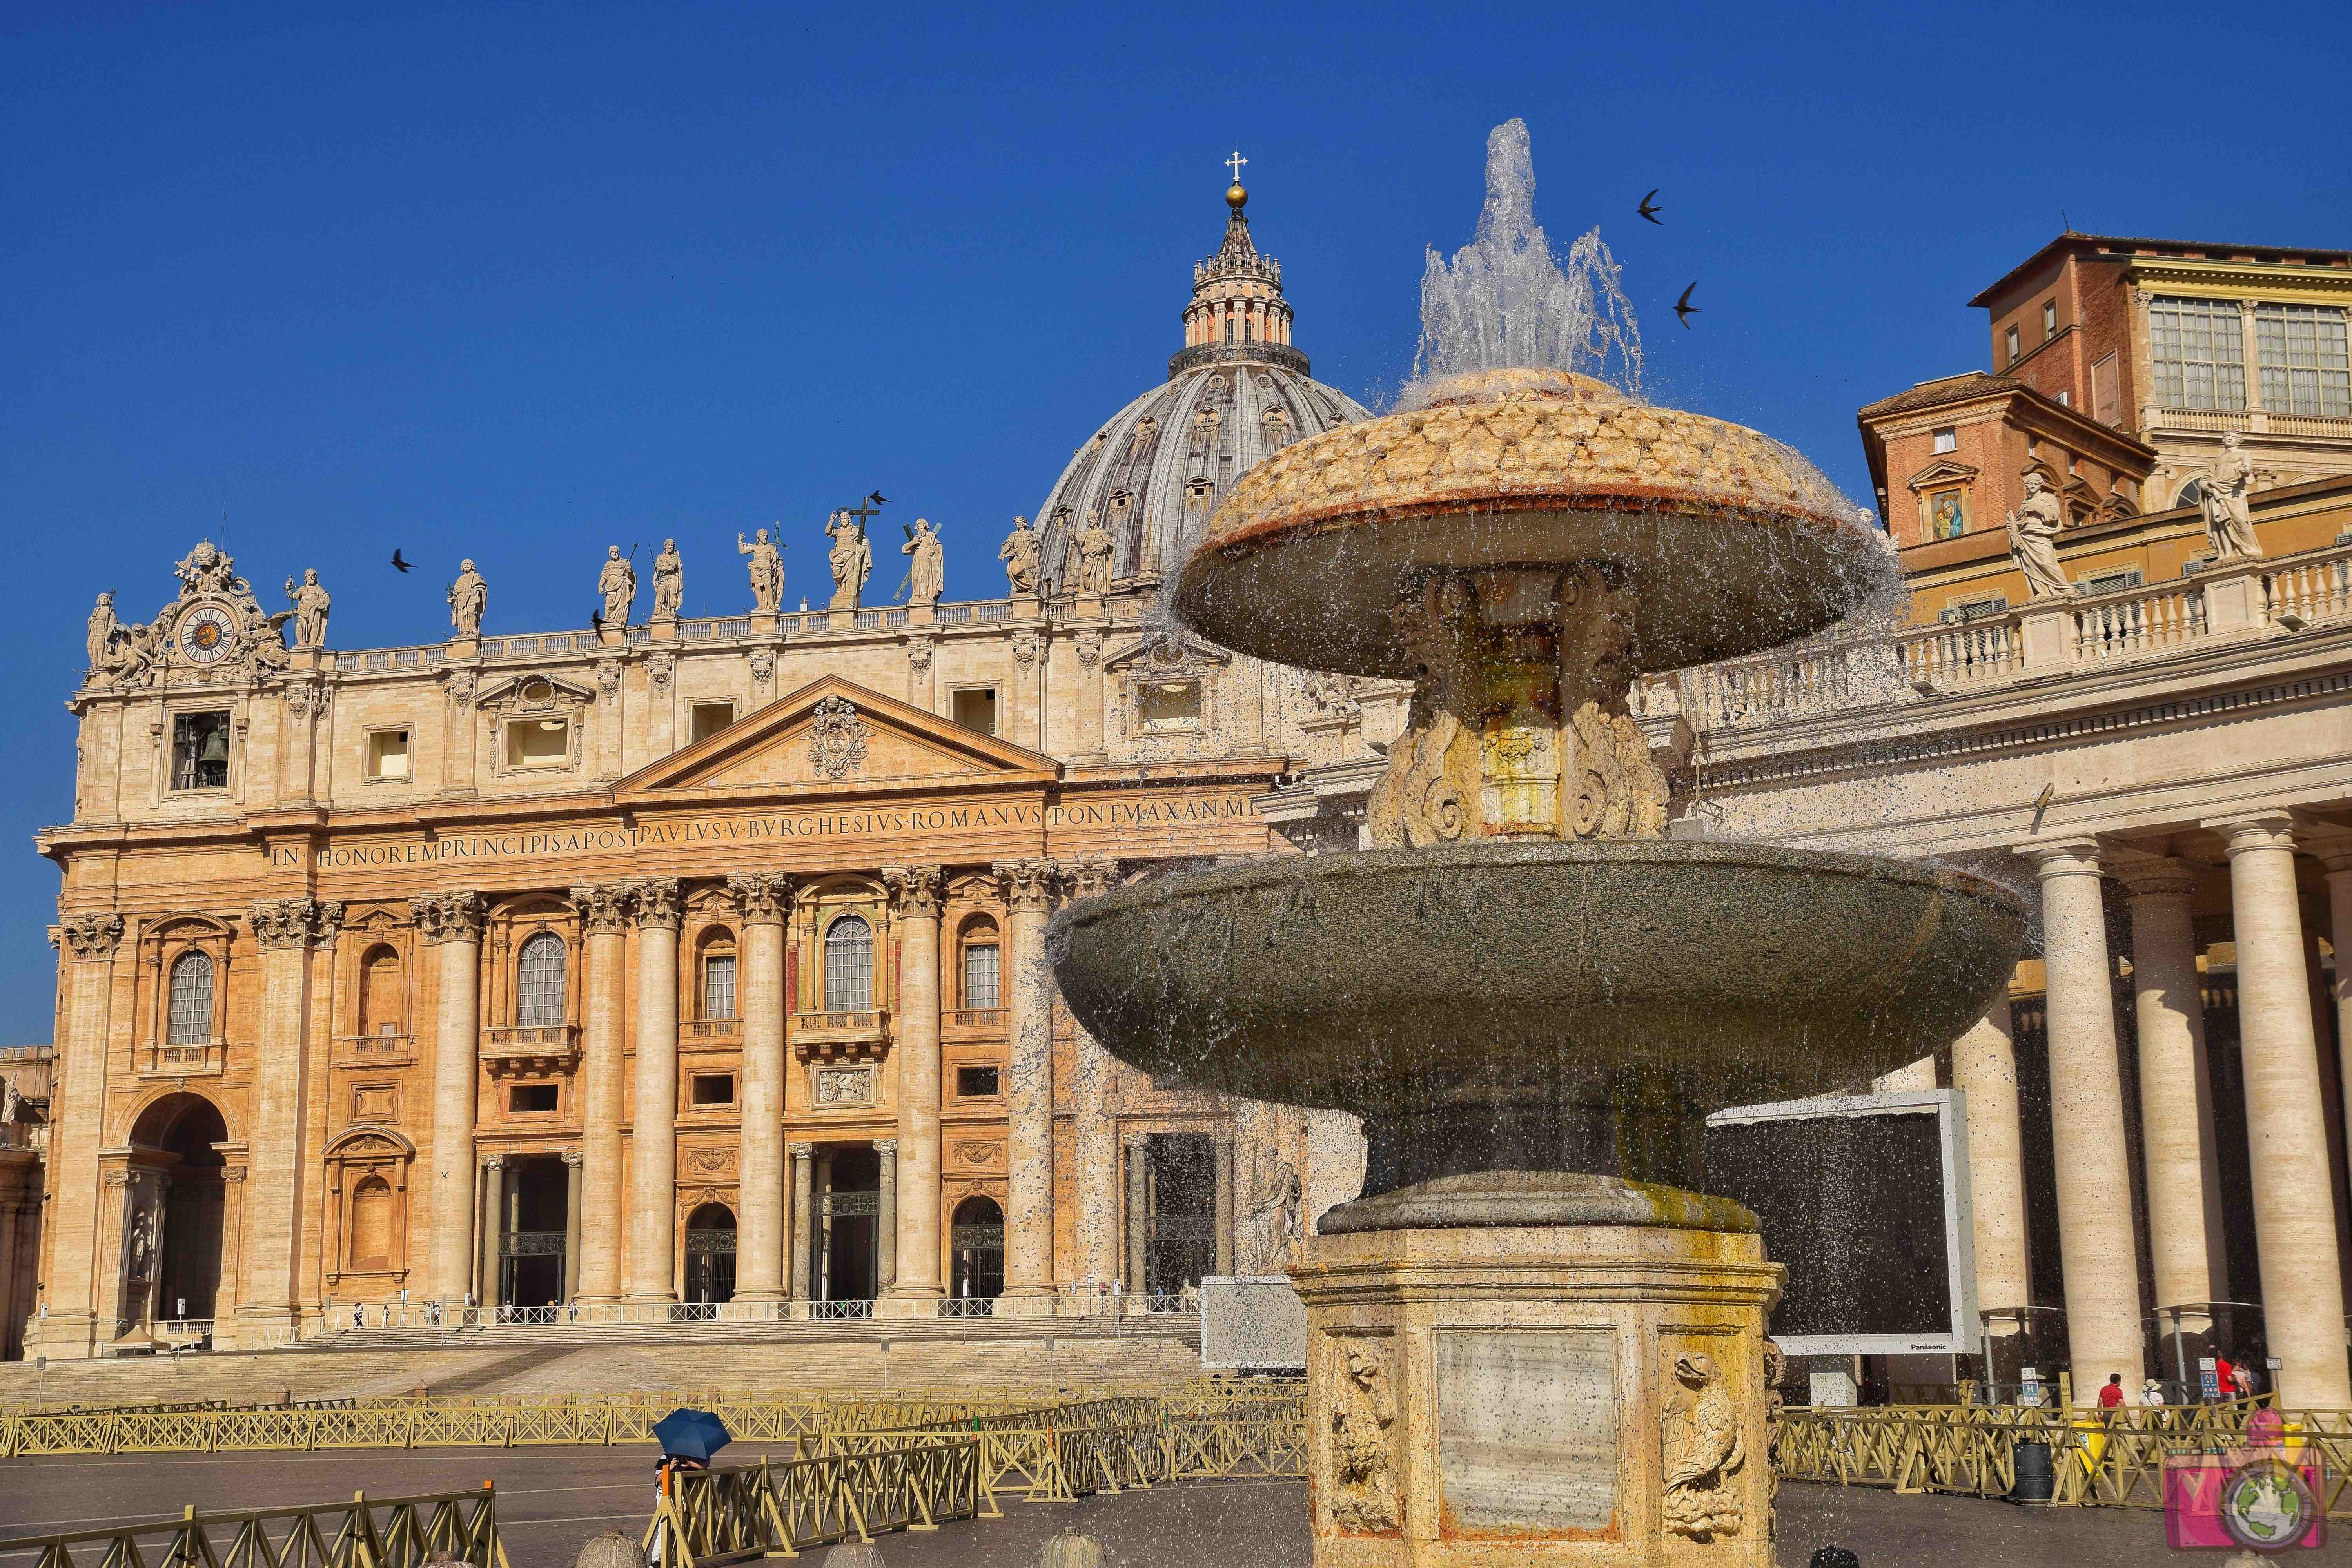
(1236, 197)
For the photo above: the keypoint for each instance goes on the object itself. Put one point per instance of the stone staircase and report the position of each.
(780, 1360)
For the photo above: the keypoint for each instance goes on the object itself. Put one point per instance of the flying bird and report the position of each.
(400, 565)
(596, 620)
(878, 499)
(1685, 310)
(1647, 211)
(2041, 805)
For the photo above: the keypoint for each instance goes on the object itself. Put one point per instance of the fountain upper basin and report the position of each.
(1732, 542)
(1501, 979)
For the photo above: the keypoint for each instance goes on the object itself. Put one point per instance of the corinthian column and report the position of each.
(1029, 1096)
(653, 1185)
(2286, 1125)
(764, 900)
(285, 928)
(914, 1240)
(452, 924)
(69, 1330)
(605, 926)
(2098, 1249)
(1094, 1132)
(2176, 1100)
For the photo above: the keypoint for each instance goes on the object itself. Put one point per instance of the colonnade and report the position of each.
(2285, 1110)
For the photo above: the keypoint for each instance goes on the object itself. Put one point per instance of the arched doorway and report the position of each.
(976, 1248)
(182, 1237)
(710, 1255)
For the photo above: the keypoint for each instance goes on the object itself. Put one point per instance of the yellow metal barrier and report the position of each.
(773, 1510)
(394, 1533)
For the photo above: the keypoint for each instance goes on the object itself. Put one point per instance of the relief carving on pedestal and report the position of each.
(1363, 1454)
(844, 1086)
(1704, 1450)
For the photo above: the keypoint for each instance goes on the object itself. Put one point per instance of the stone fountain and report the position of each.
(1531, 1340)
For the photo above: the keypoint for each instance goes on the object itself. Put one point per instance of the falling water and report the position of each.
(1506, 303)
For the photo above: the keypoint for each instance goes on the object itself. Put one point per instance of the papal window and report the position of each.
(980, 974)
(538, 982)
(192, 1000)
(2199, 353)
(718, 985)
(848, 966)
(2301, 351)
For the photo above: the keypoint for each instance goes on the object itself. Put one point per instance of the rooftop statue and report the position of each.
(767, 569)
(851, 557)
(2033, 539)
(1095, 547)
(669, 582)
(927, 577)
(469, 596)
(104, 629)
(310, 607)
(1019, 552)
(618, 584)
(2229, 520)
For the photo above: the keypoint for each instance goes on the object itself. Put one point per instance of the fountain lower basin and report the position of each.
(1537, 1005)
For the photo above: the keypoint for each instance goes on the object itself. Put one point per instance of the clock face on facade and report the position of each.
(204, 634)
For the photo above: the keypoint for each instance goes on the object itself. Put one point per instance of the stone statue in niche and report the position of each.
(1704, 1451)
(1363, 1409)
(1276, 1220)
(1095, 547)
(2033, 539)
(669, 582)
(469, 596)
(143, 1245)
(1281, 430)
(2229, 519)
(767, 569)
(1021, 553)
(926, 573)
(851, 557)
(617, 583)
(310, 607)
(99, 642)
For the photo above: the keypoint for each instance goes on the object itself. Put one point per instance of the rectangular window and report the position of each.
(2301, 351)
(2107, 396)
(2199, 351)
(388, 754)
(1948, 439)
(2112, 582)
(200, 750)
(1975, 609)
(537, 742)
(2008, 341)
(975, 708)
(713, 1088)
(531, 1099)
(1169, 705)
(709, 718)
(2049, 320)
(976, 1083)
(718, 985)
(981, 986)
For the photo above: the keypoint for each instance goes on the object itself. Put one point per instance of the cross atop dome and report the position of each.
(1236, 197)
(1237, 310)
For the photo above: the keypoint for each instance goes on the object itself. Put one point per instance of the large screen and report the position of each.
(1865, 1201)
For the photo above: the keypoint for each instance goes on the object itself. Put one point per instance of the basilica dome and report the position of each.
(1236, 391)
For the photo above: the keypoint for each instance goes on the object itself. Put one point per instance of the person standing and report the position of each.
(2111, 1397)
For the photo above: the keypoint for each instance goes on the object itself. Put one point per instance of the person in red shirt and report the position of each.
(2225, 1375)
(2111, 1397)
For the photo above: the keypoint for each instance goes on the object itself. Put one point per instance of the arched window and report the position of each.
(192, 1000)
(379, 1008)
(538, 982)
(848, 966)
(718, 982)
(983, 974)
(2191, 493)
(371, 1224)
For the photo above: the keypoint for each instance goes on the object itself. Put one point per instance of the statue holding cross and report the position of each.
(852, 557)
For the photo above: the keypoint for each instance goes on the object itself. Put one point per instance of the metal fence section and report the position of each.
(383, 1533)
(769, 1509)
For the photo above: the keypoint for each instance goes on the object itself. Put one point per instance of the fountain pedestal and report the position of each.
(1482, 1393)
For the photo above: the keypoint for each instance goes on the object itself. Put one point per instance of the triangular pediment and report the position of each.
(836, 736)
(1942, 470)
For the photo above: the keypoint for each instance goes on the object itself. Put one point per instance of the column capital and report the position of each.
(605, 907)
(92, 937)
(449, 917)
(2063, 857)
(2162, 877)
(572, 1157)
(914, 890)
(763, 898)
(494, 1162)
(1028, 884)
(1091, 878)
(657, 903)
(287, 922)
(799, 1149)
(2260, 829)
(887, 1146)
(1134, 1142)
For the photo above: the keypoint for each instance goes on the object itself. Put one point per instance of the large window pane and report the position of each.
(848, 966)
(2301, 350)
(718, 985)
(192, 1000)
(538, 982)
(2199, 353)
(980, 975)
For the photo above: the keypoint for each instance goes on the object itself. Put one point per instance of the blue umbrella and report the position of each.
(692, 1435)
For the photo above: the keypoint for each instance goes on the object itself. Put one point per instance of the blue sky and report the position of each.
(519, 281)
